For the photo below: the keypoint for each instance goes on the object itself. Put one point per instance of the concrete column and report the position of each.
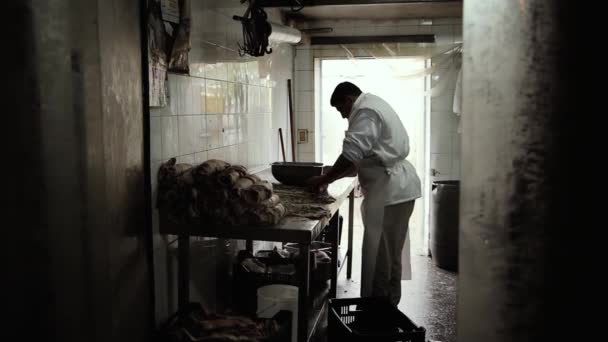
(519, 221)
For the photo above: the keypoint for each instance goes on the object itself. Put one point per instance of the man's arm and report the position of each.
(341, 168)
(363, 132)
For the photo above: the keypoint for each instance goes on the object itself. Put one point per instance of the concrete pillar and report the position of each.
(520, 223)
(78, 264)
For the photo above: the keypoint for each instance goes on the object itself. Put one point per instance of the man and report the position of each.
(376, 145)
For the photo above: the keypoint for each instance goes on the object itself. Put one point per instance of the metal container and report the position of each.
(295, 173)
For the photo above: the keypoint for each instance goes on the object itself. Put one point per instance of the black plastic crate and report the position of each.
(370, 319)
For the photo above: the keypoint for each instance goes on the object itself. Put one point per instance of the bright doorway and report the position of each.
(402, 83)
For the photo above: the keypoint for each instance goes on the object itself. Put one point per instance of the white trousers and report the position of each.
(383, 242)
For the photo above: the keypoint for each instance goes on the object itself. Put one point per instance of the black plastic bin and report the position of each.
(444, 224)
(370, 319)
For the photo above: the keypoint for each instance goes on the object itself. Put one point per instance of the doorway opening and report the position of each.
(403, 83)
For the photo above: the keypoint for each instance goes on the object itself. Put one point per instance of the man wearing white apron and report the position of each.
(376, 145)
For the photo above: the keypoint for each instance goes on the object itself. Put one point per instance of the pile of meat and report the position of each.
(216, 192)
(197, 325)
(300, 202)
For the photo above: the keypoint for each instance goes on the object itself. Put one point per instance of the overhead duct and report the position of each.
(258, 32)
(284, 34)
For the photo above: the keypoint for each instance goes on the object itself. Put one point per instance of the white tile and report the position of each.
(450, 123)
(305, 120)
(308, 147)
(223, 122)
(441, 143)
(193, 105)
(304, 60)
(217, 71)
(211, 96)
(243, 155)
(233, 154)
(173, 96)
(254, 99)
(232, 130)
(244, 98)
(183, 94)
(156, 138)
(241, 128)
(242, 76)
(190, 130)
(170, 138)
(211, 71)
(249, 98)
(202, 142)
(436, 121)
(200, 157)
(456, 167)
(231, 72)
(160, 111)
(456, 145)
(230, 99)
(259, 101)
(252, 72)
(304, 80)
(304, 101)
(265, 100)
(237, 98)
(442, 103)
(217, 153)
(442, 163)
(214, 100)
(199, 96)
(214, 131)
(187, 159)
(306, 157)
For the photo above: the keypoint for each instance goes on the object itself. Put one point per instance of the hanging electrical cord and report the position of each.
(256, 30)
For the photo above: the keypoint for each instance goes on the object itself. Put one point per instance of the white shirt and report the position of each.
(376, 137)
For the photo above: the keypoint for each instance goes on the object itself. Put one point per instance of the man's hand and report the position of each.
(318, 184)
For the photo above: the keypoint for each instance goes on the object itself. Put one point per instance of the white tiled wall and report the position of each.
(445, 138)
(445, 141)
(228, 107)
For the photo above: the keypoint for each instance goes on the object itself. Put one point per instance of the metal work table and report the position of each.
(290, 229)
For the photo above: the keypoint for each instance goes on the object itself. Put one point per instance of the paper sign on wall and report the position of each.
(170, 10)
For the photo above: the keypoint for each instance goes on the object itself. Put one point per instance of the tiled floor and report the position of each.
(429, 299)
